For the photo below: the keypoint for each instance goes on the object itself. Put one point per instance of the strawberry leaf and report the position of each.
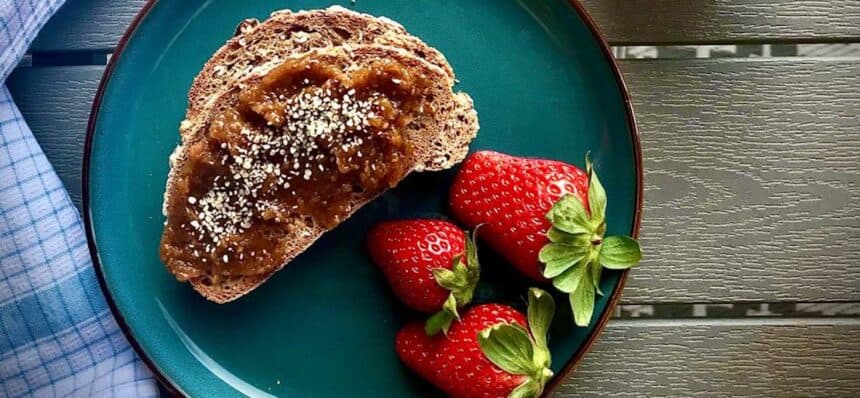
(569, 215)
(556, 235)
(460, 268)
(508, 347)
(582, 303)
(441, 321)
(569, 280)
(559, 258)
(620, 252)
(449, 279)
(470, 271)
(472, 251)
(596, 272)
(540, 313)
(438, 322)
(596, 194)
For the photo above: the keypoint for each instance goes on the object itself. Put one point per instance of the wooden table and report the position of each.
(752, 202)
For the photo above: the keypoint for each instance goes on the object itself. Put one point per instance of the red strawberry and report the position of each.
(432, 265)
(547, 218)
(490, 353)
(511, 196)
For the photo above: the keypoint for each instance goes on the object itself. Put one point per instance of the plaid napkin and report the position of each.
(57, 335)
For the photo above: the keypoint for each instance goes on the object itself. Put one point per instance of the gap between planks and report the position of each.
(744, 322)
(84, 58)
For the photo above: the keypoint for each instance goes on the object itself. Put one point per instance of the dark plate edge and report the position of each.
(166, 382)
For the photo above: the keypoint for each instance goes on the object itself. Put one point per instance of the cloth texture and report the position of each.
(57, 335)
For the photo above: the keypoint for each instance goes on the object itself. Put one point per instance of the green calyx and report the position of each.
(578, 251)
(460, 280)
(514, 350)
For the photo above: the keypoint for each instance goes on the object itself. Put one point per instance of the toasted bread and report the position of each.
(259, 46)
(438, 141)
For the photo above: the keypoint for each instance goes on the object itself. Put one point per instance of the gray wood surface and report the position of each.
(87, 25)
(752, 179)
(98, 24)
(726, 21)
(752, 169)
(748, 358)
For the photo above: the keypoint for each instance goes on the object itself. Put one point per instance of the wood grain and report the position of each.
(94, 25)
(56, 104)
(726, 21)
(752, 179)
(98, 24)
(752, 173)
(679, 358)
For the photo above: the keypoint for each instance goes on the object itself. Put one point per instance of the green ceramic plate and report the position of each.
(544, 85)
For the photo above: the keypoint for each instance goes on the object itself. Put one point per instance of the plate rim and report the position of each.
(169, 384)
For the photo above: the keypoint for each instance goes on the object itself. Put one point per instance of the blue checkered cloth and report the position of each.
(57, 335)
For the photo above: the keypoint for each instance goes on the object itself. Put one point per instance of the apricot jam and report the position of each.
(298, 150)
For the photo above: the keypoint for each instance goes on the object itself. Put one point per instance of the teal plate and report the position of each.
(544, 84)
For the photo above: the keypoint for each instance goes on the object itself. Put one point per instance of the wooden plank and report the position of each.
(752, 171)
(726, 21)
(56, 104)
(98, 24)
(87, 25)
(678, 358)
(752, 179)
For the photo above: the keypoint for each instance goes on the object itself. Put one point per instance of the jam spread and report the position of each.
(300, 148)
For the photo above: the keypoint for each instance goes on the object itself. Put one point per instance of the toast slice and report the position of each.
(438, 139)
(259, 46)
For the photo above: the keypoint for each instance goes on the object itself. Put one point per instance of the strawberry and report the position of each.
(547, 218)
(432, 266)
(510, 196)
(493, 352)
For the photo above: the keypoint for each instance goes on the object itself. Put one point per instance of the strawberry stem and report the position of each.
(461, 281)
(441, 321)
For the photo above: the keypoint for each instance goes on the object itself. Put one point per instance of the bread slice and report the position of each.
(439, 141)
(259, 46)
